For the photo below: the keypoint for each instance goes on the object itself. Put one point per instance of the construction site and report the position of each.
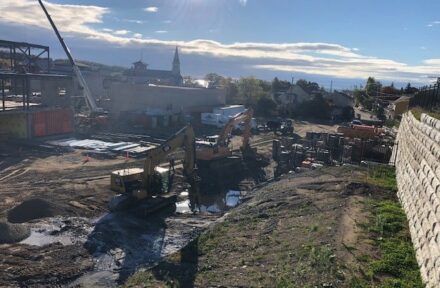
(141, 181)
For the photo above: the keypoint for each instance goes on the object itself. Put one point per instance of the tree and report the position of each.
(410, 90)
(250, 90)
(380, 113)
(215, 79)
(266, 107)
(347, 113)
(308, 86)
(231, 88)
(372, 87)
(316, 108)
(278, 85)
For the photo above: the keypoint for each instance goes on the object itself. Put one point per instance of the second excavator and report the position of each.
(214, 156)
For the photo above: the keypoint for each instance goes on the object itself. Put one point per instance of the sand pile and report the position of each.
(12, 233)
(33, 209)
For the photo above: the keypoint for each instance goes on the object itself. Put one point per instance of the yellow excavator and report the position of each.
(136, 185)
(213, 154)
(217, 147)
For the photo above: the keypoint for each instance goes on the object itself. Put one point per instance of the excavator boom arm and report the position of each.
(184, 138)
(245, 117)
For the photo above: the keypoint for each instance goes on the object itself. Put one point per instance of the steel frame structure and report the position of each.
(25, 57)
(24, 65)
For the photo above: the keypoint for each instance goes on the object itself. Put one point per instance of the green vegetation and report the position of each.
(417, 113)
(395, 264)
(278, 243)
(390, 123)
(383, 177)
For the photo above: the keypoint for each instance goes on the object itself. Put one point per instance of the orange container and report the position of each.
(52, 122)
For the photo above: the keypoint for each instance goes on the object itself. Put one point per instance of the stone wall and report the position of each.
(417, 155)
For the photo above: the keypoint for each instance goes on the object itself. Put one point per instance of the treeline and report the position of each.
(373, 96)
(257, 93)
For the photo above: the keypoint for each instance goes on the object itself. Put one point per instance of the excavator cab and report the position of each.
(129, 181)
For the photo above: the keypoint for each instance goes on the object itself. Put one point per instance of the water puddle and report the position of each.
(214, 203)
(121, 243)
(64, 230)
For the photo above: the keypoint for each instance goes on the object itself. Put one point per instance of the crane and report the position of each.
(136, 184)
(90, 101)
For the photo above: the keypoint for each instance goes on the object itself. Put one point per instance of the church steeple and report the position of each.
(176, 62)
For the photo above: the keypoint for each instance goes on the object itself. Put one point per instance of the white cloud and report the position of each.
(433, 23)
(133, 21)
(151, 9)
(161, 32)
(72, 18)
(312, 58)
(243, 2)
(121, 32)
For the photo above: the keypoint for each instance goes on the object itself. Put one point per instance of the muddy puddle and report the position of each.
(121, 243)
(213, 203)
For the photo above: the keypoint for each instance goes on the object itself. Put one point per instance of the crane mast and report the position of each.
(91, 103)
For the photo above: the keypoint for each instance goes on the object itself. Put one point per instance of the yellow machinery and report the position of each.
(215, 161)
(136, 184)
(216, 147)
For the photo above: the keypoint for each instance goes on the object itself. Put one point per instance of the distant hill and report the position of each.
(112, 69)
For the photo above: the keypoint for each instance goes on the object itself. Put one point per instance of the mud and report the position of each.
(49, 266)
(12, 233)
(33, 209)
(73, 241)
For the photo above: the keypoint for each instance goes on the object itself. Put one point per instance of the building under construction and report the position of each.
(35, 102)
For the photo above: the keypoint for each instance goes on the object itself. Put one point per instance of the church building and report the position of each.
(140, 73)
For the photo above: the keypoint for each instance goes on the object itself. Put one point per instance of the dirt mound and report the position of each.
(33, 209)
(11, 233)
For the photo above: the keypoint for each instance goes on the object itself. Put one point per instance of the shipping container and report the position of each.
(52, 122)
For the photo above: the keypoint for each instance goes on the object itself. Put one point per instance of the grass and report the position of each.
(417, 112)
(395, 265)
(390, 262)
(383, 177)
(390, 123)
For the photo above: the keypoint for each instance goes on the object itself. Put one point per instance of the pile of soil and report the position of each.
(33, 209)
(12, 233)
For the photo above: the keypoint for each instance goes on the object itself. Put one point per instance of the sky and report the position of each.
(339, 41)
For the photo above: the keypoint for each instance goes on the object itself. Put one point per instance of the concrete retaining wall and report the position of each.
(418, 177)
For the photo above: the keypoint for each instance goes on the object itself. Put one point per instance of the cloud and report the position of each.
(72, 18)
(328, 59)
(133, 21)
(433, 23)
(151, 9)
(121, 32)
(243, 2)
(161, 32)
